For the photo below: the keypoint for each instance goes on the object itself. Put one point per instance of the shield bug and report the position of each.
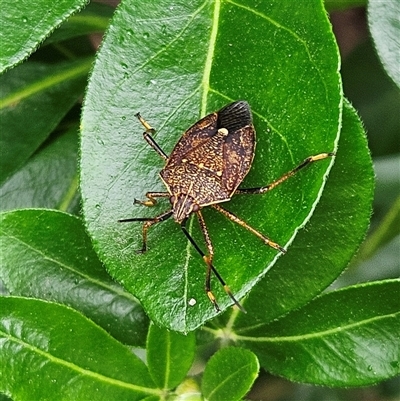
(205, 168)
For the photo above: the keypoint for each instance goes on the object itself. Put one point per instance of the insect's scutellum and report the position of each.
(205, 168)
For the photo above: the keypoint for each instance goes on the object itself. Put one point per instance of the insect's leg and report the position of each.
(213, 269)
(148, 137)
(207, 258)
(151, 201)
(236, 219)
(306, 162)
(148, 222)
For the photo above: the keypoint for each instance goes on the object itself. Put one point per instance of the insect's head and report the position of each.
(183, 206)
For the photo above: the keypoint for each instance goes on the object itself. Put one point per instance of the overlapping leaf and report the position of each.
(344, 338)
(48, 179)
(385, 29)
(26, 23)
(63, 355)
(40, 94)
(317, 256)
(323, 249)
(229, 374)
(169, 356)
(47, 254)
(152, 61)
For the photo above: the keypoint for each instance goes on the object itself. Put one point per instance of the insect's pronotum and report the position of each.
(206, 168)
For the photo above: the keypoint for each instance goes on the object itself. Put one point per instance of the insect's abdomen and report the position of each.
(201, 184)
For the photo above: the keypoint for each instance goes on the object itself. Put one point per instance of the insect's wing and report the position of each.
(238, 151)
(212, 169)
(235, 116)
(195, 136)
(238, 155)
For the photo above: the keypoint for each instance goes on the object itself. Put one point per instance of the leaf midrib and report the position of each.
(47, 82)
(209, 57)
(318, 334)
(205, 83)
(80, 370)
(94, 281)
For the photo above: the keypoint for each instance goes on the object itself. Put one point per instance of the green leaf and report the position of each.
(344, 338)
(229, 374)
(48, 179)
(26, 23)
(287, 69)
(93, 19)
(169, 356)
(388, 229)
(383, 18)
(51, 352)
(330, 239)
(375, 98)
(387, 184)
(322, 250)
(41, 94)
(47, 254)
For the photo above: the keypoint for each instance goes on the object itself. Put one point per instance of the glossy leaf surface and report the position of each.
(373, 95)
(63, 355)
(26, 23)
(348, 337)
(229, 374)
(322, 250)
(169, 356)
(152, 62)
(93, 19)
(317, 256)
(48, 179)
(384, 24)
(41, 94)
(47, 254)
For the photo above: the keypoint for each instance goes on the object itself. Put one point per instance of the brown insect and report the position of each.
(206, 168)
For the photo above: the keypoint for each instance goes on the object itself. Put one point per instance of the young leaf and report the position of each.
(47, 254)
(48, 179)
(41, 94)
(322, 250)
(169, 356)
(24, 24)
(229, 374)
(383, 18)
(51, 352)
(287, 69)
(344, 338)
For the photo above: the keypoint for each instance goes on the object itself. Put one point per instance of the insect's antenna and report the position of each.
(215, 271)
(147, 135)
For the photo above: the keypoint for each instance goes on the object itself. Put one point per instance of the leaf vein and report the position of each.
(79, 369)
(317, 334)
(70, 268)
(228, 378)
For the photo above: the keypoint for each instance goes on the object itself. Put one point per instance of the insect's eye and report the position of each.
(172, 199)
(196, 207)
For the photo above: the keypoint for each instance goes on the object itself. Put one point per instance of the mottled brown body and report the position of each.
(206, 168)
(210, 160)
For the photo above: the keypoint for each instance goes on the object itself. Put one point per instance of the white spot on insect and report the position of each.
(192, 302)
(223, 131)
